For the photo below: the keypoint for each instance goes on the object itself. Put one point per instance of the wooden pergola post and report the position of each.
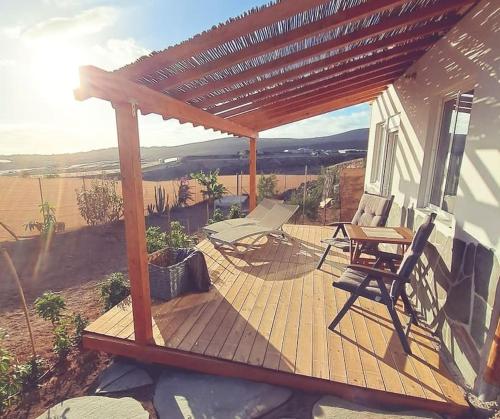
(135, 230)
(252, 159)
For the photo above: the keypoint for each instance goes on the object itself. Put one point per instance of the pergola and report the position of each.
(284, 62)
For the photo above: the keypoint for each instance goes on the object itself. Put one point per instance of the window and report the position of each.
(378, 153)
(450, 150)
(386, 138)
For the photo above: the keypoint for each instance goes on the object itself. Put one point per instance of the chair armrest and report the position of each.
(376, 272)
(338, 223)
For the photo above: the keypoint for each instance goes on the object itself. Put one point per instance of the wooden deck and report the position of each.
(266, 319)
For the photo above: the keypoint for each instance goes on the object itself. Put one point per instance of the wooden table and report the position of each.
(359, 235)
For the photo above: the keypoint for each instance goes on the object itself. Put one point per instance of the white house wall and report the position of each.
(464, 265)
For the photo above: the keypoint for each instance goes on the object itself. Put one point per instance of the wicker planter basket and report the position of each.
(168, 275)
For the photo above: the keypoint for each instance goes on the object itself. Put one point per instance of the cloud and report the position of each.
(323, 125)
(87, 22)
(116, 53)
(6, 62)
(12, 32)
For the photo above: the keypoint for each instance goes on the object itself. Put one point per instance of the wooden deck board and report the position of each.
(266, 318)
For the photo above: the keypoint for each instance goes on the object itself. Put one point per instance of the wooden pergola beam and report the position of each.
(332, 65)
(95, 82)
(298, 57)
(323, 25)
(310, 97)
(331, 94)
(219, 35)
(317, 82)
(316, 110)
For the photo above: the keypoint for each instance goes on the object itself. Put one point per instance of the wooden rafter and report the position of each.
(316, 81)
(385, 25)
(315, 111)
(343, 62)
(297, 58)
(331, 93)
(323, 25)
(328, 89)
(216, 36)
(101, 84)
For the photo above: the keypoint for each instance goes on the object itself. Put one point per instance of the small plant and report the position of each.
(80, 322)
(155, 239)
(62, 338)
(213, 190)
(14, 376)
(235, 211)
(267, 186)
(50, 306)
(48, 224)
(177, 237)
(217, 216)
(100, 203)
(114, 289)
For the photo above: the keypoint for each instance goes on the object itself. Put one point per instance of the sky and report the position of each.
(42, 44)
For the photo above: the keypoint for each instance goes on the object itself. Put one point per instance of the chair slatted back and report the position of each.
(373, 210)
(412, 255)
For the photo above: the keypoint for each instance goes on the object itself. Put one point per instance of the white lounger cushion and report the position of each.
(255, 216)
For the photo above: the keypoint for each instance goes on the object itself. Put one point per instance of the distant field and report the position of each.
(20, 198)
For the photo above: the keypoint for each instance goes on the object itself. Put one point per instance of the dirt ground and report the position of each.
(73, 264)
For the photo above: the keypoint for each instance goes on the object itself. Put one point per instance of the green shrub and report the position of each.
(62, 338)
(177, 237)
(155, 239)
(14, 376)
(114, 289)
(267, 186)
(217, 216)
(235, 211)
(80, 322)
(100, 203)
(184, 194)
(310, 206)
(50, 306)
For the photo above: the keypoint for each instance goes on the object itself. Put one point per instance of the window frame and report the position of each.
(382, 184)
(430, 178)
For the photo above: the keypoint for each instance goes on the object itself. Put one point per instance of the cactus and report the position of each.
(161, 205)
(160, 199)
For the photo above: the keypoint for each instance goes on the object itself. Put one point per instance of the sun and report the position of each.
(55, 69)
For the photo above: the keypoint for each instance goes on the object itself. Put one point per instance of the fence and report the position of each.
(20, 197)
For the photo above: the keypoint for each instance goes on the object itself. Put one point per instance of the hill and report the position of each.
(222, 146)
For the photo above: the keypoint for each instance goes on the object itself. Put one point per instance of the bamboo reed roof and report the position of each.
(293, 59)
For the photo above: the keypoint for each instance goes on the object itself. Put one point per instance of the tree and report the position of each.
(212, 188)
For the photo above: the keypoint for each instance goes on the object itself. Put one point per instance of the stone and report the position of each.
(190, 395)
(483, 268)
(457, 258)
(122, 376)
(480, 321)
(458, 303)
(470, 253)
(97, 407)
(330, 407)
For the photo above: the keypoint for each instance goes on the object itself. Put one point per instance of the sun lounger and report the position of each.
(271, 223)
(252, 218)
